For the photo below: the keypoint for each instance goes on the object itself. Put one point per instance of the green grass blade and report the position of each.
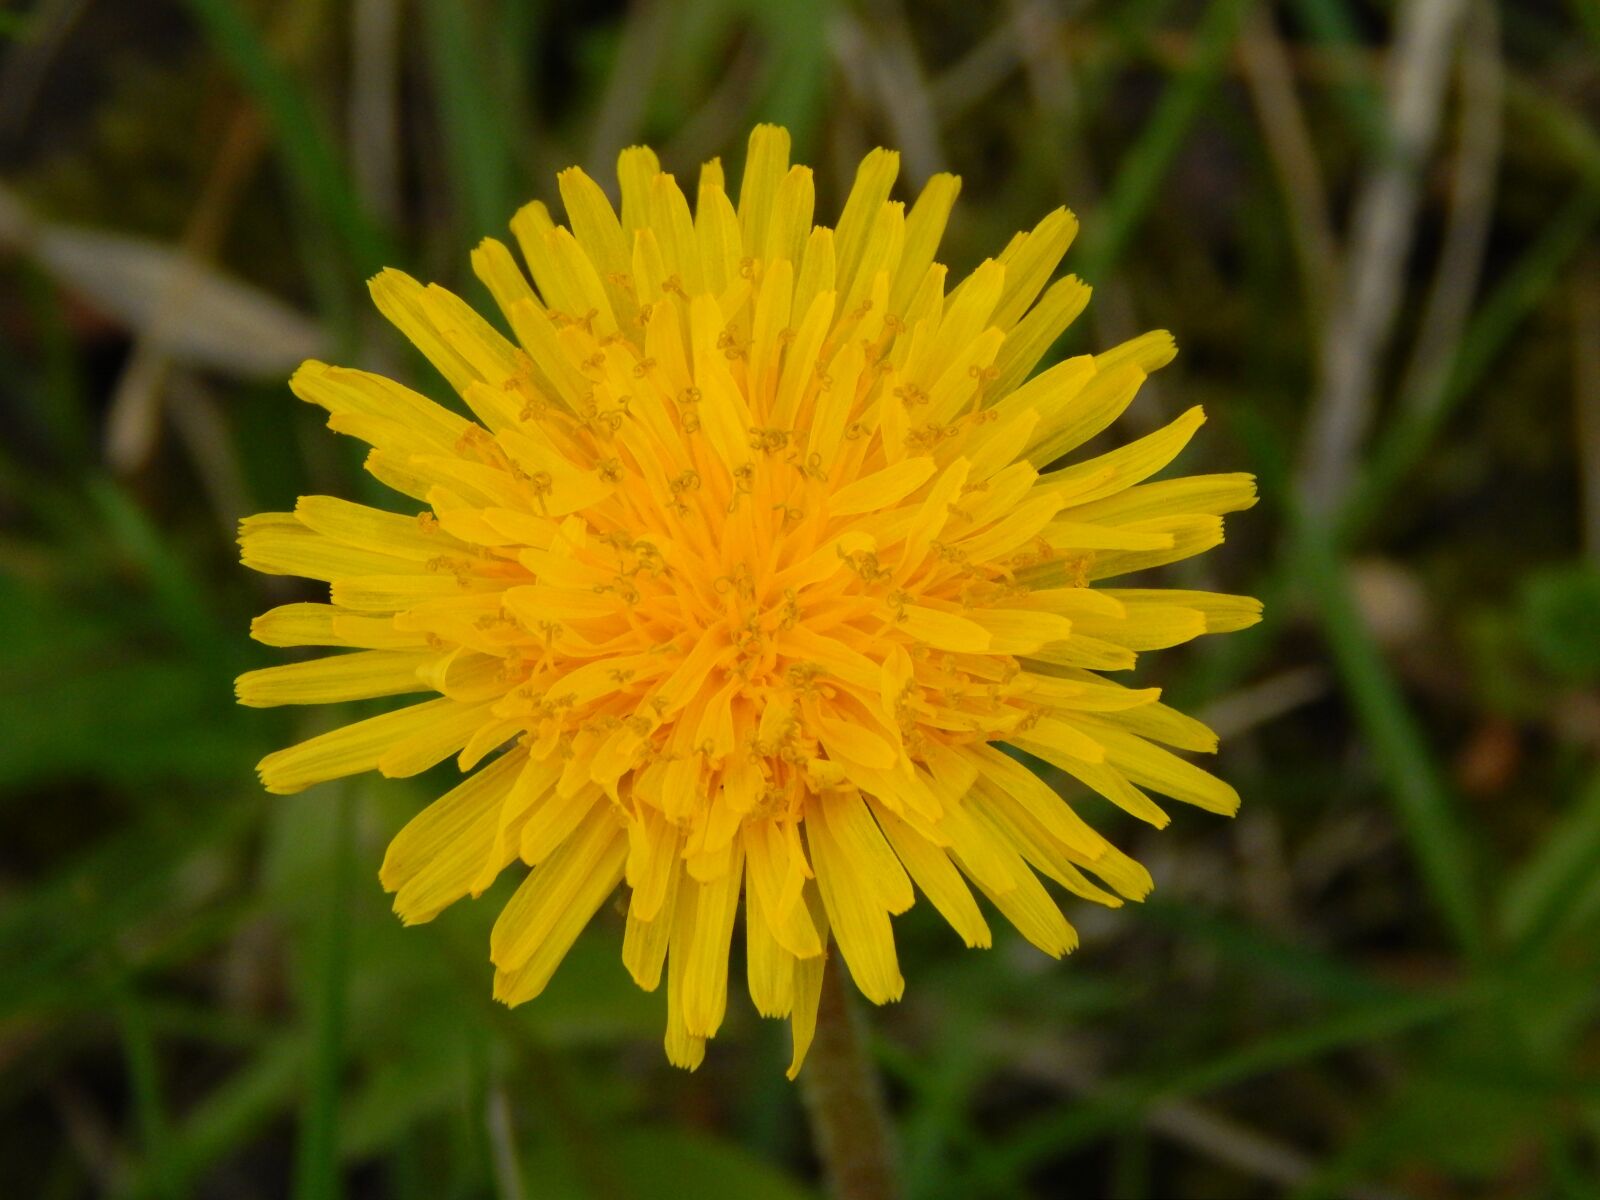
(472, 120)
(1427, 810)
(1141, 171)
(308, 151)
(317, 1174)
(1541, 890)
(1331, 26)
(1091, 1117)
(144, 1074)
(955, 1072)
(1413, 431)
(178, 595)
(227, 1118)
(1301, 967)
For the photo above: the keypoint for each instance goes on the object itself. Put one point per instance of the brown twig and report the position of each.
(1455, 280)
(1382, 231)
(135, 409)
(1269, 76)
(1196, 1126)
(1586, 396)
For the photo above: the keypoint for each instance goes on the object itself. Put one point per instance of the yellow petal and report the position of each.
(494, 266)
(705, 980)
(674, 230)
(766, 162)
(590, 304)
(817, 274)
(392, 593)
(1028, 341)
(938, 878)
(1223, 613)
(882, 489)
(1027, 905)
(800, 364)
(1030, 266)
(554, 818)
(880, 258)
(1005, 774)
(547, 913)
(444, 851)
(1080, 650)
(1169, 726)
(636, 167)
(873, 863)
(770, 869)
(856, 913)
(684, 1049)
(808, 987)
(460, 344)
(308, 624)
(942, 630)
(1099, 402)
(431, 746)
(1012, 532)
(644, 943)
(1148, 351)
(1216, 494)
(1104, 778)
(1041, 852)
(537, 602)
(415, 421)
(769, 968)
(874, 177)
(374, 529)
(594, 221)
(1146, 626)
(1162, 771)
(339, 677)
(1018, 630)
(1128, 464)
(278, 544)
(434, 729)
(844, 739)
(982, 857)
(1190, 536)
(790, 222)
(924, 228)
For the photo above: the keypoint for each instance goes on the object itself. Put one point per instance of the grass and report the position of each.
(1383, 972)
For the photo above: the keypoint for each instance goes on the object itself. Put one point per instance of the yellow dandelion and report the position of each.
(739, 581)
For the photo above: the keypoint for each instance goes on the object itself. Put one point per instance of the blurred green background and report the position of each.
(1372, 226)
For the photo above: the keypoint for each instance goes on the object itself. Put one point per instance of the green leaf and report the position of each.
(1560, 616)
(1428, 811)
(475, 124)
(667, 1164)
(226, 1118)
(1139, 175)
(1550, 882)
(317, 1174)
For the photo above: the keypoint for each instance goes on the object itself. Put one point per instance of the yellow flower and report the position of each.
(739, 580)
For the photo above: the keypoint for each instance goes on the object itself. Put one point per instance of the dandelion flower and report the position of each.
(740, 580)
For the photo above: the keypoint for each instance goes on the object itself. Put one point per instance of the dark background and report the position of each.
(1379, 981)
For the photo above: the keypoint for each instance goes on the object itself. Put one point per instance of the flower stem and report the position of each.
(844, 1100)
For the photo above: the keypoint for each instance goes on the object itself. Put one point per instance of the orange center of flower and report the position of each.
(729, 588)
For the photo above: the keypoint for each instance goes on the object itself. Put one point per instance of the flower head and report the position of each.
(738, 581)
